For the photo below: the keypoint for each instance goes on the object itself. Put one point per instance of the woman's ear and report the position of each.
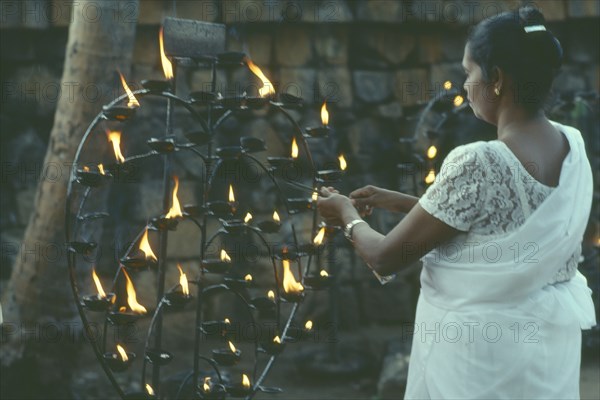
(497, 77)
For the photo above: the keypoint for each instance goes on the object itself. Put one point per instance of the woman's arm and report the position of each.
(369, 197)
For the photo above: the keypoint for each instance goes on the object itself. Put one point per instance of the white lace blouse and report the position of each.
(485, 191)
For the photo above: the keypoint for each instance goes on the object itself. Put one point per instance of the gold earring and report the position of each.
(497, 91)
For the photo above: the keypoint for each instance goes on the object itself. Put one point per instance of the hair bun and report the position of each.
(531, 16)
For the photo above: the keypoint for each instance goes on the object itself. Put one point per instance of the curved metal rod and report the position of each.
(86, 193)
(300, 134)
(149, 334)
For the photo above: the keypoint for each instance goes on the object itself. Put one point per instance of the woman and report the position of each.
(499, 232)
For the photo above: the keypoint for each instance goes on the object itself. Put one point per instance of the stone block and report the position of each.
(453, 45)
(335, 87)
(386, 43)
(441, 73)
(331, 11)
(331, 45)
(583, 8)
(430, 48)
(380, 10)
(252, 11)
(411, 86)
(391, 110)
(152, 12)
(554, 10)
(372, 86)
(293, 46)
(256, 45)
(60, 12)
(200, 10)
(570, 79)
(146, 48)
(299, 82)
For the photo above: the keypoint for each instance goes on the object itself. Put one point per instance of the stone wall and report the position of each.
(375, 62)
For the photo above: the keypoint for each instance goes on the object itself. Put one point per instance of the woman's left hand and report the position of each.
(332, 206)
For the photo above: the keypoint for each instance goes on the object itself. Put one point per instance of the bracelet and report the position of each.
(350, 227)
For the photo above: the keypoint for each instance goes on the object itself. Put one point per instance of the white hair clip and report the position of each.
(534, 28)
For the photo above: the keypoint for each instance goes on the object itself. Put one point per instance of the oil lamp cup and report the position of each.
(229, 152)
(263, 304)
(91, 178)
(162, 145)
(216, 265)
(214, 392)
(318, 131)
(280, 162)
(164, 224)
(83, 248)
(199, 137)
(123, 317)
(330, 175)
(159, 357)
(237, 284)
(297, 205)
(96, 303)
(177, 299)
(215, 328)
(139, 396)
(269, 226)
(238, 390)
(220, 208)
(124, 172)
(157, 86)
(226, 357)
(296, 333)
(231, 102)
(118, 113)
(116, 363)
(137, 260)
(292, 297)
(202, 97)
(256, 102)
(290, 101)
(271, 347)
(317, 281)
(234, 226)
(252, 144)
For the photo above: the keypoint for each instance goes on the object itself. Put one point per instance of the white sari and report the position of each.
(488, 324)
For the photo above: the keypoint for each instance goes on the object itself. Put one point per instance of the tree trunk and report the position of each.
(38, 298)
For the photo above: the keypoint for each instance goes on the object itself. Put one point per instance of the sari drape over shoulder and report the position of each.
(488, 324)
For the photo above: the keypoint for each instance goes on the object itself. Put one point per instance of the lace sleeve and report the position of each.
(457, 194)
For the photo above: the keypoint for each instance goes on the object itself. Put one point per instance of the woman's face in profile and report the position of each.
(480, 94)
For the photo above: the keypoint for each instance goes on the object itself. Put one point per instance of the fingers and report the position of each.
(363, 192)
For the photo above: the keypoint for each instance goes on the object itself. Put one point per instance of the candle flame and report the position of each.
(308, 326)
(149, 390)
(315, 196)
(101, 169)
(122, 309)
(145, 246)
(86, 168)
(227, 321)
(267, 88)
(248, 278)
(206, 385)
(245, 381)
(323, 273)
(343, 163)
(115, 138)
(225, 256)
(132, 296)
(122, 353)
(276, 217)
(431, 152)
(319, 238)
(430, 178)
(166, 63)
(183, 282)
(132, 100)
(271, 295)
(98, 284)
(247, 218)
(231, 195)
(276, 340)
(232, 347)
(294, 148)
(458, 100)
(290, 285)
(175, 210)
(324, 114)
(447, 85)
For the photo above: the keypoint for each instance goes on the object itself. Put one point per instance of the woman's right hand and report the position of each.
(366, 198)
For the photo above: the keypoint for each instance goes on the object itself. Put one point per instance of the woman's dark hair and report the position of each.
(532, 59)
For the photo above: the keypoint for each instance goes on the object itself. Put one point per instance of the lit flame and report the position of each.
(430, 178)
(206, 385)
(315, 196)
(115, 138)
(149, 390)
(227, 321)
(276, 217)
(101, 169)
(271, 295)
(323, 273)
(294, 148)
(267, 88)
(132, 100)
(86, 168)
(247, 218)
(308, 326)
(122, 309)
(183, 282)
(122, 353)
(319, 238)
(458, 100)
(248, 278)
(175, 210)
(290, 285)
(245, 381)
(276, 340)
(343, 163)
(132, 297)
(231, 195)
(324, 114)
(145, 246)
(232, 347)
(98, 284)
(166, 63)
(447, 85)
(431, 152)
(225, 256)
